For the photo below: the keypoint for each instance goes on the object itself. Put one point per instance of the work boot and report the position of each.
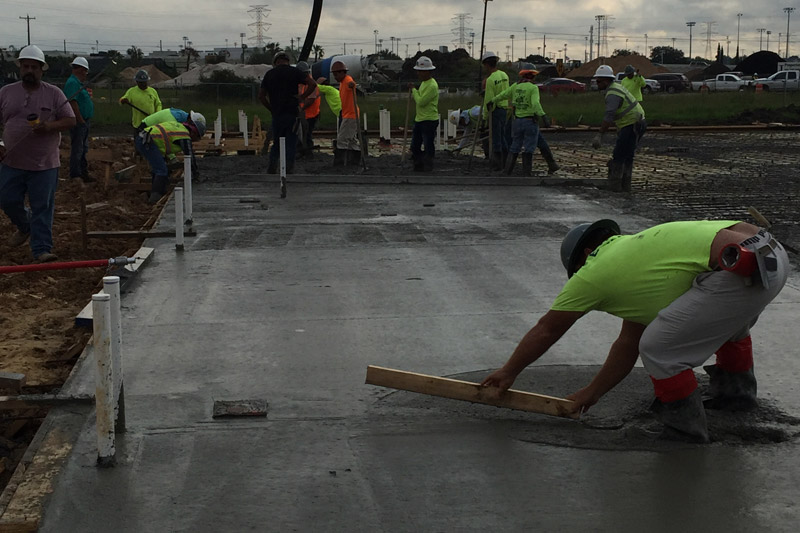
(427, 162)
(46, 257)
(154, 197)
(511, 160)
(18, 239)
(547, 155)
(497, 161)
(354, 157)
(627, 176)
(339, 157)
(614, 181)
(684, 420)
(730, 391)
(527, 164)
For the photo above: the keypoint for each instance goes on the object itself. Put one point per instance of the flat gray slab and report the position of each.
(289, 301)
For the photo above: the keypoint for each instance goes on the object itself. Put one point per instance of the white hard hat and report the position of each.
(199, 120)
(424, 63)
(32, 52)
(81, 62)
(604, 71)
(453, 116)
(488, 55)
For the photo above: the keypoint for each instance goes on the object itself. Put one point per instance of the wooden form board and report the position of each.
(471, 392)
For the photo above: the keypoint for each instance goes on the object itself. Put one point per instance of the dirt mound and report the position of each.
(645, 66)
(763, 63)
(156, 75)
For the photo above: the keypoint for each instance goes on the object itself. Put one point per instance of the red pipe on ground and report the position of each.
(66, 265)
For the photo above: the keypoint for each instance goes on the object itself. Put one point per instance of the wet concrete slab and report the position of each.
(289, 301)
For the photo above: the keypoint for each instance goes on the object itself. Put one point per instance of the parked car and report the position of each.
(555, 86)
(672, 82)
(650, 84)
(723, 82)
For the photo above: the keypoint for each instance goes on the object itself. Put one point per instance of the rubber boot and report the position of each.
(427, 162)
(547, 155)
(615, 171)
(338, 157)
(504, 160)
(527, 164)
(684, 420)
(730, 391)
(511, 160)
(419, 165)
(497, 161)
(158, 188)
(627, 176)
(354, 157)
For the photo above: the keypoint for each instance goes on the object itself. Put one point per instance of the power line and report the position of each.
(28, 19)
(260, 12)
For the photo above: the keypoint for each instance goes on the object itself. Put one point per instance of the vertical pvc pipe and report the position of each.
(178, 218)
(187, 189)
(218, 128)
(365, 121)
(283, 156)
(111, 287)
(104, 406)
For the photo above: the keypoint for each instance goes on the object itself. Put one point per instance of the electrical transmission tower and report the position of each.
(260, 13)
(709, 35)
(461, 32)
(602, 34)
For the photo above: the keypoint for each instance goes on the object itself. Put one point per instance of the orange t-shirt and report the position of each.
(346, 95)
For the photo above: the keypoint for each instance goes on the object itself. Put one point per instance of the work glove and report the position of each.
(597, 141)
(546, 121)
(145, 137)
(490, 106)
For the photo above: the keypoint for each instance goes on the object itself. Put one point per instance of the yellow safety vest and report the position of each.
(166, 134)
(630, 111)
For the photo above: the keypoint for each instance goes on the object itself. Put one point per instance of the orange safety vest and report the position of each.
(312, 110)
(349, 109)
(167, 133)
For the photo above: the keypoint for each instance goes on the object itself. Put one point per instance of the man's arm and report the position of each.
(310, 86)
(533, 345)
(49, 126)
(621, 358)
(78, 117)
(157, 101)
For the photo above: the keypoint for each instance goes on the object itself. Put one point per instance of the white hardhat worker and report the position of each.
(199, 121)
(604, 71)
(453, 117)
(489, 55)
(424, 63)
(32, 52)
(80, 62)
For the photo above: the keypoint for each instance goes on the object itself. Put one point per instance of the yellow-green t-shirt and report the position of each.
(427, 100)
(634, 85)
(634, 277)
(146, 100)
(496, 83)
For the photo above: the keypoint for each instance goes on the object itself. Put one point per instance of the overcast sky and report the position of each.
(117, 24)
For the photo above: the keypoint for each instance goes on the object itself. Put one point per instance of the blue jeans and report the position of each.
(158, 165)
(525, 132)
(283, 126)
(79, 137)
(424, 133)
(627, 140)
(40, 186)
(499, 133)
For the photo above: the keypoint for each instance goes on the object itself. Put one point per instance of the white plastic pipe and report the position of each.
(187, 189)
(282, 146)
(218, 128)
(365, 121)
(111, 287)
(104, 385)
(178, 218)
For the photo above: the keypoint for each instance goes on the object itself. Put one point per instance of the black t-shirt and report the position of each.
(280, 84)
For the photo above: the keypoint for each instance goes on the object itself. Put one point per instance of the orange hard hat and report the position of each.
(528, 73)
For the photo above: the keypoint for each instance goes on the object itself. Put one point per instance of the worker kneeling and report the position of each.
(680, 297)
(161, 141)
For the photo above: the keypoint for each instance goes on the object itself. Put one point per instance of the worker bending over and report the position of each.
(426, 119)
(624, 112)
(677, 308)
(467, 119)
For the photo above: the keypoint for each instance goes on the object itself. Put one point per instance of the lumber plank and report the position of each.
(11, 380)
(136, 233)
(471, 392)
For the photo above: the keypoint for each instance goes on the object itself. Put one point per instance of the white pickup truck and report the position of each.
(784, 80)
(723, 82)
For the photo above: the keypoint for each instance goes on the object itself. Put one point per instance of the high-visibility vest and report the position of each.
(312, 110)
(630, 111)
(166, 134)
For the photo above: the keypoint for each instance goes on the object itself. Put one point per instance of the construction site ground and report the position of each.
(288, 300)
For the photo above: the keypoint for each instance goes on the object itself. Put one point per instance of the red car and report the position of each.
(555, 86)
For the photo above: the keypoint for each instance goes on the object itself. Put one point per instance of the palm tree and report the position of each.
(319, 52)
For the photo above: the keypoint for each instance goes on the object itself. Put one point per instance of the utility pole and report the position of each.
(512, 47)
(591, 42)
(768, 34)
(728, 42)
(586, 49)
(525, 49)
(392, 39)
(483, 35)
(761, 37)
(645, 44)
(691, 25)
(788, 11)
(738, 25)
(544, 45)
(376, 40)
(28, 19)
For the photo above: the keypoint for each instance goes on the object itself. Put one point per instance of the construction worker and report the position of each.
(496, 82)
(624, 112)
(33, 114)
(331, 95)
(524, 96)
(634, 82)
(310, 114)
(142, 99)
(677, 308)
(82, 106)
(278, 93)
(426, 119)
(158, 142)
(468, 119)
(348, 148)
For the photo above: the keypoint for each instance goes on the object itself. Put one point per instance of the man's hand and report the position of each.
(490, 106)
(41, 128)
(123, 100)
(597, 141)
(502, 379)
(583, 399)
(351, 85)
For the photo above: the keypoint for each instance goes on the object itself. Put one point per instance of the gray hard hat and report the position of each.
(141, 76)
(279, 56)
(302, 66)
(574, 243)
(629, 69)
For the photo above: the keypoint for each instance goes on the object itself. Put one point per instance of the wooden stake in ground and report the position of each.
(471, 392)
(405, 128)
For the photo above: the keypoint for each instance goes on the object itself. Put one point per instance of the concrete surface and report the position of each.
(289, 300)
